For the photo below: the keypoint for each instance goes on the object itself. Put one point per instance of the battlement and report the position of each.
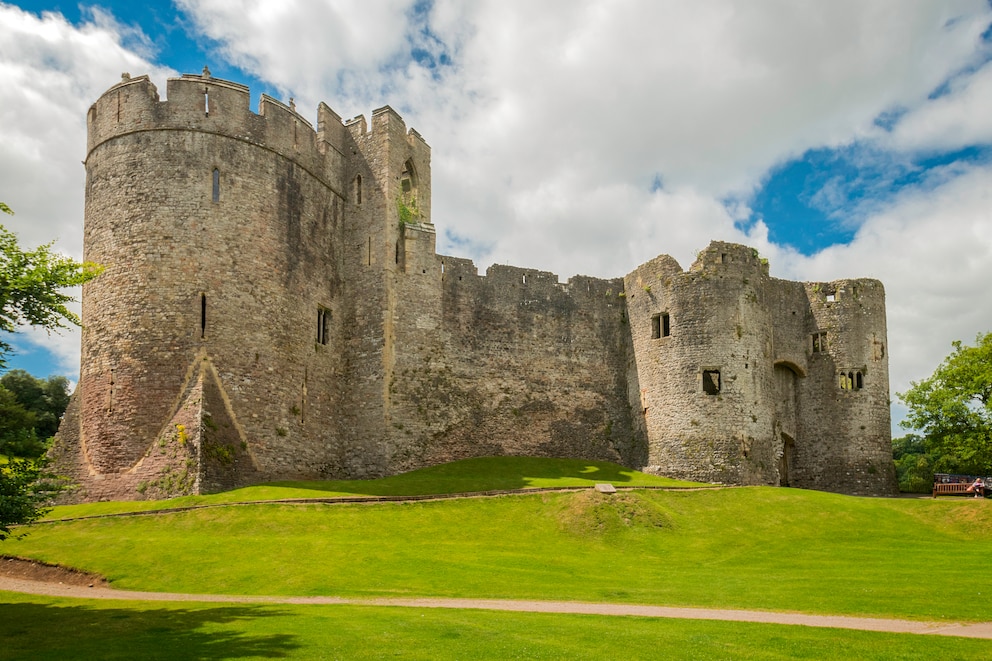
(199, 102)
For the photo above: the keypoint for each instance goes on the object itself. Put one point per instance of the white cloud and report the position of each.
(50, 73)
(959, 118)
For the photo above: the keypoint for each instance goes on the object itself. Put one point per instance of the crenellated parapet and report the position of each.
(201, 103)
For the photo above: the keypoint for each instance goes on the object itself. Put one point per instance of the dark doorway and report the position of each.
(785, 462)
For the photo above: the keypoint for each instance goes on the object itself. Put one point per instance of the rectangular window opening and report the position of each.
(203, 316)
(819, 342)
(216, 189)
(656, 327)
(711, 382)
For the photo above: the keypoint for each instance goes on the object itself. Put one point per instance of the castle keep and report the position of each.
(273, 308)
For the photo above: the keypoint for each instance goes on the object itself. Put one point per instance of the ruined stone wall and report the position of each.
(273, 308)
(510, 363)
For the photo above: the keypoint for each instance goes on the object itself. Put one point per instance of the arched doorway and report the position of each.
(787, 375)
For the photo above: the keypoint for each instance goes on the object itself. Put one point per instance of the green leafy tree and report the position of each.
(46, 398)
(953, 408)
(32, 284)
(17, 435)
(916, 462)
(25, 488)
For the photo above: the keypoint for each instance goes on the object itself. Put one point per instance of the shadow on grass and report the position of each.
(479, 474)
(41, 631)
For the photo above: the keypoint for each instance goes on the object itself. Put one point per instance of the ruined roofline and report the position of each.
(201, 102)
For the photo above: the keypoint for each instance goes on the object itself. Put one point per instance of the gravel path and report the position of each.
(94, 589)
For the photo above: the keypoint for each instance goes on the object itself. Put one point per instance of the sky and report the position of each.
(841, 139)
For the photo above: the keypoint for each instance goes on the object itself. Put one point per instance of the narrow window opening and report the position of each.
(110, 398)
(370, 251)
(524, 280)
(656, 327)
(859, 381)
(723, 258)
(397, 252)
(442, 267)
(711, 382)
(206, 101)
(358, 189)
(666, 324)
(323, 325)
(831, 298)
(203, 316)
(118, 106)
(216, 189)
(819, 342)
(303, 396)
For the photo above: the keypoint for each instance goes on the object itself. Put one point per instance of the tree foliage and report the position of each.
(32, 284)
(953, 408)
(25, 488)
(30, 412)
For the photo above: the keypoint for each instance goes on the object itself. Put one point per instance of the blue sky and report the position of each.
(842, 139)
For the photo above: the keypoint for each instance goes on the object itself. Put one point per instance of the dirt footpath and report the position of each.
(33, 578)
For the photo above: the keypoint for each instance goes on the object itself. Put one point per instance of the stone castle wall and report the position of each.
(273, 308)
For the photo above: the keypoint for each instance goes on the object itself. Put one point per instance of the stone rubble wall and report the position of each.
(273, 307)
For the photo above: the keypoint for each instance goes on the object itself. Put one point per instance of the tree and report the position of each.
(25, 488)
(31, 284)
(953, 408)
(46, 398)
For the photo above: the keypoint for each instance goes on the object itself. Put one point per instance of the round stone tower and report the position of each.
(216, 226)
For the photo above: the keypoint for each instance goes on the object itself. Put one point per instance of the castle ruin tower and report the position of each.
(746, 379)
(220, 232)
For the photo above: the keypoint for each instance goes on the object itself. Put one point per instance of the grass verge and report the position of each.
(155, 630)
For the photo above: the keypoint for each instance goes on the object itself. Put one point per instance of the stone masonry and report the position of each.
(273, 308)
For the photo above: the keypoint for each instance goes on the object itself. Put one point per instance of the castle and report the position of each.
(273, 308)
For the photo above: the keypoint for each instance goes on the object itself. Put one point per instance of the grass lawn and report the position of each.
(755, 548)
(483, 474)
(153, 630)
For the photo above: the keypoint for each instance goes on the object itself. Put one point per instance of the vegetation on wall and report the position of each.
(408, 211)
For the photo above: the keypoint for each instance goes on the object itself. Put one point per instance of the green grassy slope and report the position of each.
(482, 474)
(765, 548)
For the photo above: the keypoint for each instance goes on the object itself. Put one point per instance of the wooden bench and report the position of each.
(953, 489)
